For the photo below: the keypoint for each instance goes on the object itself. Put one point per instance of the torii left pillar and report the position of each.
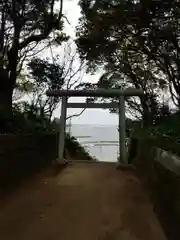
(62, 132)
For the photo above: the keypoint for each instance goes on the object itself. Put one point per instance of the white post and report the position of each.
(62, 133)
(122, 131)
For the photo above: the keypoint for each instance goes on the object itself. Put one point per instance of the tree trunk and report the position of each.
(6, 91)
(6, 101)
(147, 117)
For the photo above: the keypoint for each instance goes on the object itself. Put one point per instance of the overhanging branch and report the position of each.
(76, 115)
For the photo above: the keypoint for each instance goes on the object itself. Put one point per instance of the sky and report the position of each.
(90, 116)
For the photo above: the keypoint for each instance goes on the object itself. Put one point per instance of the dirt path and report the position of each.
(85, 201)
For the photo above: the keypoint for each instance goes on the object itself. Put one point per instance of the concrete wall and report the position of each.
(160, 170)
(21, 155)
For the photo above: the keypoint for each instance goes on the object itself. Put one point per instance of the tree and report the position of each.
(24, 24)
(131, 38)
(45, 76)
(63, 72)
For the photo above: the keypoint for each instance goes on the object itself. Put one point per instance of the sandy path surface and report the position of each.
(85, 201)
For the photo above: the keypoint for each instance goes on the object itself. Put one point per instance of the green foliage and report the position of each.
(46, 74)
(24, 25)
(26, 119)
(165, 135)
(75, 149)
(139, 40)
(33, 21)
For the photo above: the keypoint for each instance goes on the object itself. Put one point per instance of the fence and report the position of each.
(161, 172)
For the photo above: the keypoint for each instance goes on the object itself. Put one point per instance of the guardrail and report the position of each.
(161, 172)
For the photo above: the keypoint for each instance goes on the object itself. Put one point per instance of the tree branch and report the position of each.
(76, 115)
(60, 10)
(47, 30)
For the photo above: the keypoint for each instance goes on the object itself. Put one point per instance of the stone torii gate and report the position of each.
(106, 93)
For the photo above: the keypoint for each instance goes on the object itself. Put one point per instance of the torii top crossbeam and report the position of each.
(96, 93)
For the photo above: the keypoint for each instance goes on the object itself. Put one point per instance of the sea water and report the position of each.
(101, 141)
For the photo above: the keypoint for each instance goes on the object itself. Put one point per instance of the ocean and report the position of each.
(101, 141)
